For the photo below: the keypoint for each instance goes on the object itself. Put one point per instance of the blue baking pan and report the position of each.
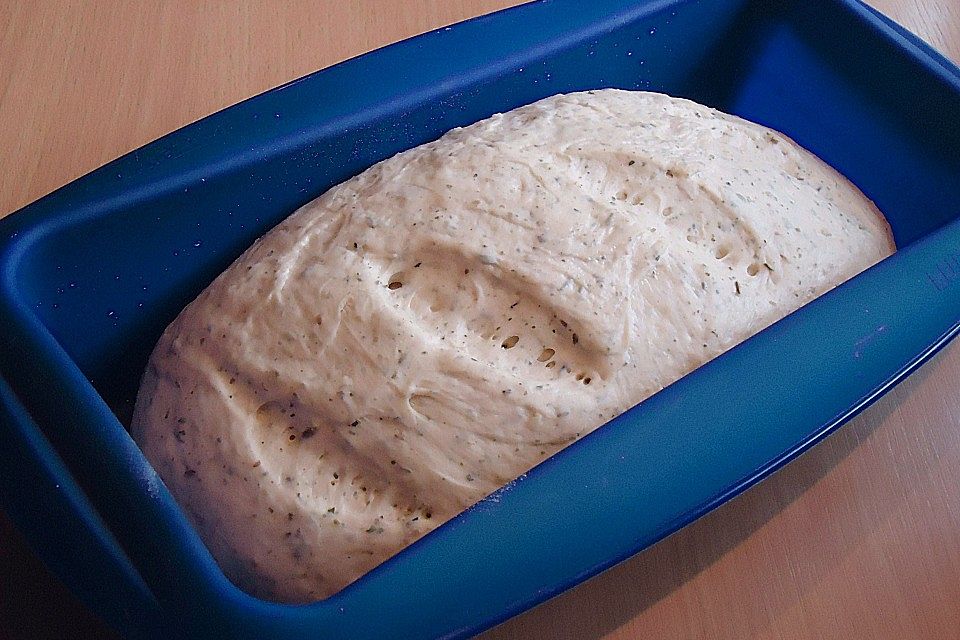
(91, 274)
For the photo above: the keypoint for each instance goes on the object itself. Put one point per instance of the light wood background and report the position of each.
(860, 538)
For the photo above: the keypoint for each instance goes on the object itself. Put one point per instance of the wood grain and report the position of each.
(860, 538)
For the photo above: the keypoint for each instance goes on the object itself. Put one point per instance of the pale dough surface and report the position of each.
(430, 329)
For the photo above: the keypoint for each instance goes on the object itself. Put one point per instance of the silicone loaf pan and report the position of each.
(92, 273)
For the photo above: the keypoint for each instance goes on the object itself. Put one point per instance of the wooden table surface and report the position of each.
(860, 538)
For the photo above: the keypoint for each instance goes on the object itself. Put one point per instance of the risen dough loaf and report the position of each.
(430, 329)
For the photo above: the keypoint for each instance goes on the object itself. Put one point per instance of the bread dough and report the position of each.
(435, 326)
